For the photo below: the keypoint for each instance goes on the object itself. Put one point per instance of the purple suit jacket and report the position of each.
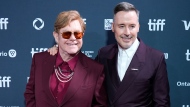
(145, 83)
(86, 88)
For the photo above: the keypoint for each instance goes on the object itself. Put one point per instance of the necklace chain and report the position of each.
(62, 77)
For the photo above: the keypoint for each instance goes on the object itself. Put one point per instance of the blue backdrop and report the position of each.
(26, 28)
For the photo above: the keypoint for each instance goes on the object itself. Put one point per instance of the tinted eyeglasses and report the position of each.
(67, 35)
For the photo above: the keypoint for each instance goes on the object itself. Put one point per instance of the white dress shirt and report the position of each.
(125, 57)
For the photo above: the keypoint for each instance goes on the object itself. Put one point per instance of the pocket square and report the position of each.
(134, 69)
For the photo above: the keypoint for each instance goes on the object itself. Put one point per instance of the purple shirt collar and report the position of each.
(71, 62)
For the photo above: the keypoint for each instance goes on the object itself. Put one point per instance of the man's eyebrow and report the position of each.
(121, 24)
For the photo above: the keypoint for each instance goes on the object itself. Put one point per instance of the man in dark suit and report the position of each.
(135, 74)
(69, 78)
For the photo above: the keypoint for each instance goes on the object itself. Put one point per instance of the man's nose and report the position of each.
(72, 37)
(127, 31)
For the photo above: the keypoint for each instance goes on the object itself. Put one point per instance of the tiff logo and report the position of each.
(4, 81)
(187, 55)
(3, 23)
(185, 105)
(37, 50)
(187, 25)
(156, 25)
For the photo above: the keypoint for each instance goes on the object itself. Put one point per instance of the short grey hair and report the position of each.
(125, 6)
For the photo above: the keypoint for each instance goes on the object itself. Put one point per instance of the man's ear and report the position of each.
(55, 35)
(139, 28)
(112, 27)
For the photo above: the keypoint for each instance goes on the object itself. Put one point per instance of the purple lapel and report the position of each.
(48, 69)
(112, 63)
(132, 71)
(79, 75)
(112, 74)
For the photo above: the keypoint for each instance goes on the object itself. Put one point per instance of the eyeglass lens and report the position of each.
(67, 35)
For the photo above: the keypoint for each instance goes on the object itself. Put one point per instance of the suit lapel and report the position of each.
(78, 78)
(132, 71)
(48, 69)
(112, 63)
(112, 77)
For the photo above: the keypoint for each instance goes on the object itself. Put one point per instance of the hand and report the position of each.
(53, 50)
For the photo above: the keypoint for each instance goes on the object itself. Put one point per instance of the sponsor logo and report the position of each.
(3, 23)
(187, 25)
(187, 55)
(88, 53)
(156, 25)
(185, 105)
(28, 79)
(37, 50)
(11, 53)
(84, 21)
(166, 55)
(183, 84)
(5, 81)
(108, 24)
(38, 20)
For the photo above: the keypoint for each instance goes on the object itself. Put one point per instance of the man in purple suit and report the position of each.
(135, 74)
(69, 78)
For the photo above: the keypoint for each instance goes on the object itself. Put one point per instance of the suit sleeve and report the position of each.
(30, 87)
(97, 58)
(161, 86)
(100, 95)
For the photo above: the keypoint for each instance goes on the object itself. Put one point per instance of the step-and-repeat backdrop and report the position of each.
(26, 28)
